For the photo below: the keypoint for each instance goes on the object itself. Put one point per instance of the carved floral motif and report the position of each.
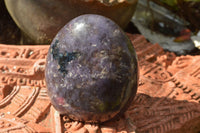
(167, 100)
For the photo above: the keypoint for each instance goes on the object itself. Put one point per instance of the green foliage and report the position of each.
(170, 2)
(193, 0)
(173, 3)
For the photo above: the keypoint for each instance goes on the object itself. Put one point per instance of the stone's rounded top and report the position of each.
(112, 2)
(91, 69)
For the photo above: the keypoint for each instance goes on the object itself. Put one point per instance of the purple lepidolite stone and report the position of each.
(91, 69)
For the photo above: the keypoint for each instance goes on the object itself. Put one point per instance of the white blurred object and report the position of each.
(166, 28)
(196, 40)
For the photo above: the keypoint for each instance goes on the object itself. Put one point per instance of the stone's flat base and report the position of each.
(167, 100)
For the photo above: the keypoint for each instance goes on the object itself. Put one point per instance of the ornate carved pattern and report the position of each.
(7, 125)
(167, 100)
(161, 114)
(25, 52)
(23, 89)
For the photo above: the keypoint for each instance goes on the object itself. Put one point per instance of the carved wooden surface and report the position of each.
(167, 100)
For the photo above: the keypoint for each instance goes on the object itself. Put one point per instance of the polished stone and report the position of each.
(91, 69)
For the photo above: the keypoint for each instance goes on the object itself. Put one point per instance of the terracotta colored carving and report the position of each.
(167, 100)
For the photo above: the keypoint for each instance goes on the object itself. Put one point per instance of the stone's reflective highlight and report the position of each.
(91, 69)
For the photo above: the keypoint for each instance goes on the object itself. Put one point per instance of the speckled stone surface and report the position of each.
(91, 70)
